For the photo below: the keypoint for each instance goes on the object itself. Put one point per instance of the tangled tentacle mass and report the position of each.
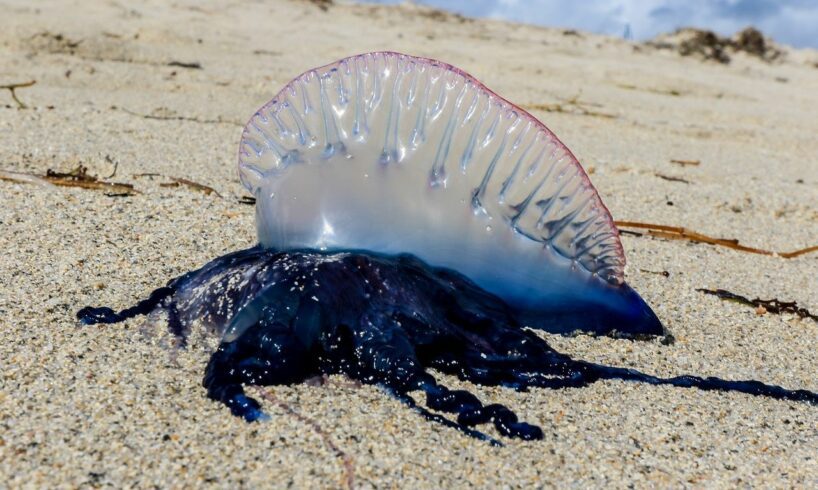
(285, 317)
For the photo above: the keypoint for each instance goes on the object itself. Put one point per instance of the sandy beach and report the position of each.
(165, 88)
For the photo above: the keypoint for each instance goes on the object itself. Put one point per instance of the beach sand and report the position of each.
(113, 406)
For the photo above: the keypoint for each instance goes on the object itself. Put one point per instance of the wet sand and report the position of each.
(166, 89)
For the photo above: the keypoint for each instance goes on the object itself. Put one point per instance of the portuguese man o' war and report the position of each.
(409, 218)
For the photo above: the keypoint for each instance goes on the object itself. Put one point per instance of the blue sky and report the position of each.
(793, 22)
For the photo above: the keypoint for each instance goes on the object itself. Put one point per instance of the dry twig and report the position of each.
(191, 66)
(78, 177)
(679, 233)
(671, 178)
(178, 181)
(658, 273)
(14, 86)
(662, 91)
(685, 163)
(764, 305)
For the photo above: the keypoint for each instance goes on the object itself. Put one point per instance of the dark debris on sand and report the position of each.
(708, 45)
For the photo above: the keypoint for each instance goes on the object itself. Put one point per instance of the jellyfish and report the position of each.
(409, 219)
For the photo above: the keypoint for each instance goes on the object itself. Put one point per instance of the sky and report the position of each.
(793, 22)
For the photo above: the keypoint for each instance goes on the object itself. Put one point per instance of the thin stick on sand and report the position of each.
(14, 86)
(78, 177)
(680, 233)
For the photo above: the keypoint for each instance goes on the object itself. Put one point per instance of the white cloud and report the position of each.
(788, 21)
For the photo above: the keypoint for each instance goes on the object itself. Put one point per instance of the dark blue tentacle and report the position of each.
(91, 316)
(710, 383)
(386, 356)
(470, 411)
(439, 419)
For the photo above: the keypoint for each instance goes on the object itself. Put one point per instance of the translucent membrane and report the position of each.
(392, 153)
